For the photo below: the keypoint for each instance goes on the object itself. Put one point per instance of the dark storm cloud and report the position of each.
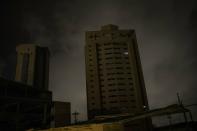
(166, 32)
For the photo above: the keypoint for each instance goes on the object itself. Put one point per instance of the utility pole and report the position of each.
(181, 104)
(75, 114)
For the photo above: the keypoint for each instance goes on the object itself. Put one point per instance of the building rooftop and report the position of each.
(109, 27)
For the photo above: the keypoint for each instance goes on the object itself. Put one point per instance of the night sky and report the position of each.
(166, 31)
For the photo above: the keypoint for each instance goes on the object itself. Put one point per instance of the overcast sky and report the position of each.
(166, 31)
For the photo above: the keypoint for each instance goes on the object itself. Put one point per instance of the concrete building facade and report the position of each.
(114, 78)
(61, 114)
(32, 65)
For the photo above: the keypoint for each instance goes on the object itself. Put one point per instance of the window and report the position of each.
(117, 57)
(111, 84)
(110, 79)
(119, 68)
(106, 43)
(121, 89)
(121, 84)
(25, 67)
(122, 95)
(116, 48)
(125, 53)
(107, 58)
(131, 89)
(112, 96)
(119, 73)
(117, 53)
(113, 102)
(108, 48)
(120, 78)
(108, 53)
(123, 101)
(112, 90)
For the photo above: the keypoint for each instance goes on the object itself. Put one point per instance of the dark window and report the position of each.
(121, 89)
(119, 68)
(121, 84)
(25, 67)
(120, 78)
(108, 58)
(108, 53)
(113, 102)
(112, 96)
(108, 48)
(117, 57)
(111, 90)
(131, 89)
(123, 101)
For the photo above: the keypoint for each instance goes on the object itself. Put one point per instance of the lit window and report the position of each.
(126, 53)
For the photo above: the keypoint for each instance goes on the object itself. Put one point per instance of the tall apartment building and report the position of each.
(114, 76)
(32, 65)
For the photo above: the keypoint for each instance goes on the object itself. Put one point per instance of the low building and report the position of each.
(61, 114)
(23, 107)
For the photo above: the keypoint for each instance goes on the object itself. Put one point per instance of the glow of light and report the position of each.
(126, 53)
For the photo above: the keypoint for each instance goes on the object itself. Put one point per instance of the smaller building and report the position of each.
(61, 114)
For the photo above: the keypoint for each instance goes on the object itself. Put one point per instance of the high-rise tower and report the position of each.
(32, 65)
(114, 76)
